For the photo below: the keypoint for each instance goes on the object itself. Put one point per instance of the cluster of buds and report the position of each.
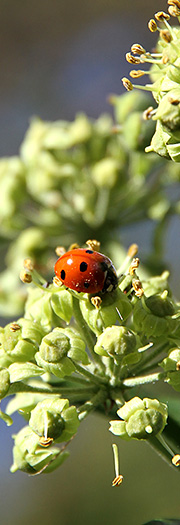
(165, 87)
(72, 353)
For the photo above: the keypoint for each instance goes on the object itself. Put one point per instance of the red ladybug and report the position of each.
(86, 271)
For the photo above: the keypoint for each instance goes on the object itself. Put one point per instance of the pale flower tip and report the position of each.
(60, 250)
(28, 264)
(133, 250)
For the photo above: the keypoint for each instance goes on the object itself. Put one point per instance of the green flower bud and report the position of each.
(156, 285)
(113, 305)
(173, 378)
(21, 371)
(160, 304)
(137, 132)
(4, 382)
(12, 191)
(105, 172)
(170, 363)
(115, 341)
(55, 417)
(58, 348)
(15, 347)
(168, 111)
(127, 103)
(142, 419)
(38, 308)
(30, 457)
(152, 316)
(62, 304)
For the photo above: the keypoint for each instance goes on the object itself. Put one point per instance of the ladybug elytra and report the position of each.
(85, 270)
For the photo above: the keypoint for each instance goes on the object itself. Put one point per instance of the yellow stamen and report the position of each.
(25, 277)
(152, 25)
(93, 244)
(14, 327)
(174, 2)
(166, 35)
(161, 16)
(137, 73)
(147, 115)
(127, 84)
(174, 11)
(137, 49)
(131, 59)
(96, 301)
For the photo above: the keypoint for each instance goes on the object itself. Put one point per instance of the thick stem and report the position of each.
(143, 380)
(93, 403)
(97, 380)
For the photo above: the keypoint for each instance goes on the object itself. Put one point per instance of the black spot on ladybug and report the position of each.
(86, 284)
(89, 251)
(83, 266)
(63, 274)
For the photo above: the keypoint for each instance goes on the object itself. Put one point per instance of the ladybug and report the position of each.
(84, 270)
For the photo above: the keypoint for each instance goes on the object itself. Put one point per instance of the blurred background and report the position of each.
(57, 58)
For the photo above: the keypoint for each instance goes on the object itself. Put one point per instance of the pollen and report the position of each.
(93, 244)
(137, 73)
(137, 49)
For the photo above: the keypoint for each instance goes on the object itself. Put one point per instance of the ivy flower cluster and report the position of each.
(78, 180)
(73, 353)
(165, 76)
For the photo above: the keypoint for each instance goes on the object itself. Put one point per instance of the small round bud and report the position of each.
(96, 301)
(160, 304)
(55, 418)
(4, 382)
(115, 341)
(142, 418)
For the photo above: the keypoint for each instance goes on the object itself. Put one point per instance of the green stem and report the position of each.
(86, 333)
(93, 403)
(160, 446)
(143, 380)
(18, 387)
(97, 380)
